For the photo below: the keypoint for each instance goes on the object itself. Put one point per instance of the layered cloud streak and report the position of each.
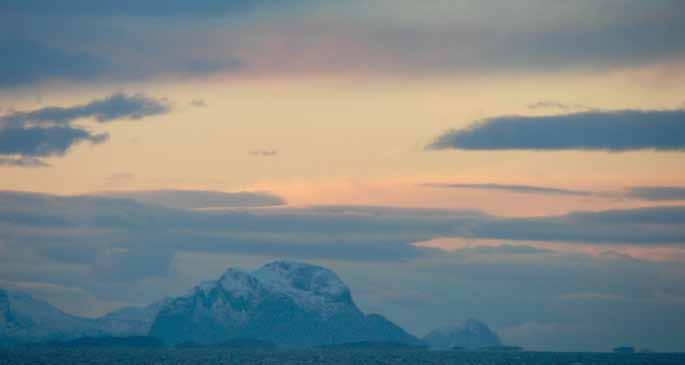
(301, 36)
(647, 193)
(116, 249)
(626, 130)
(93, 225)
(51, 131)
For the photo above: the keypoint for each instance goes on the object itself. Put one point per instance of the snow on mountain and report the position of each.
(312, 287)
(130, 321)
(470, 334)
(289, 303)
(26, 319)
(240, 284)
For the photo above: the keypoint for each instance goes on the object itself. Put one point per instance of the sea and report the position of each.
(98, 356)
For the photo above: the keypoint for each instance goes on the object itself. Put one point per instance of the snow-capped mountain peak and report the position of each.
(470, 333)
(25, 319)
(239, 283)
(312, 288)
(308, 284)
(286, 302)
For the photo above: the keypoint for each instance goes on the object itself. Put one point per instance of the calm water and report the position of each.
(204, 356)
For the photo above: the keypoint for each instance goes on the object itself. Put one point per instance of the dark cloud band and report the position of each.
(127, 7)
(111, 108)
(648, 193)
(658, 193)
(526, 189)
(662, 130)
(193, 199)
(25, 62)
(50, 141)
(76, 40)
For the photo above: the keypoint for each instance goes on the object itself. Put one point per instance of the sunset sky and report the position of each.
(521, 162)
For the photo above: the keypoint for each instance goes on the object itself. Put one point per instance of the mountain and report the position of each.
(373, 346)
(130, 321)
(288, 303)
(106, 342)
(470, 334)
(25, 319)
(243, 344)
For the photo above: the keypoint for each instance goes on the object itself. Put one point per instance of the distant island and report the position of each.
(374, 346)
(106, 342)
(235, 344)
(471, 334)
(501, 349)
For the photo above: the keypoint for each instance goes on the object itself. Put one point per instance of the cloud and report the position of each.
(657, 193)
(191, 199)
(49, 131)
(25, 61)
(646, 193)
(22, 162)
(81, 41)
(463, 37)
(641, 226)
(117, 250)
(625, 130)
(263, 153)
(49, 141)
(35, 60)
(131, 264)
(117, 240)
(112, 40)
(503, 249)
(128, 7)
(90, 224)
(70, 49)
(79, 228)
(114, 107)
(525, 189)
(551, 104)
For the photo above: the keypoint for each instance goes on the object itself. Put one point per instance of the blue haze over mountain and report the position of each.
(470, 334)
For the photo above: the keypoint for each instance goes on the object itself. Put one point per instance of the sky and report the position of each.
(519, 162)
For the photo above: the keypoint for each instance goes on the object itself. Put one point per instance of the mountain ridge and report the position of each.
(469, 334)
(26, 319)
(285, 302)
